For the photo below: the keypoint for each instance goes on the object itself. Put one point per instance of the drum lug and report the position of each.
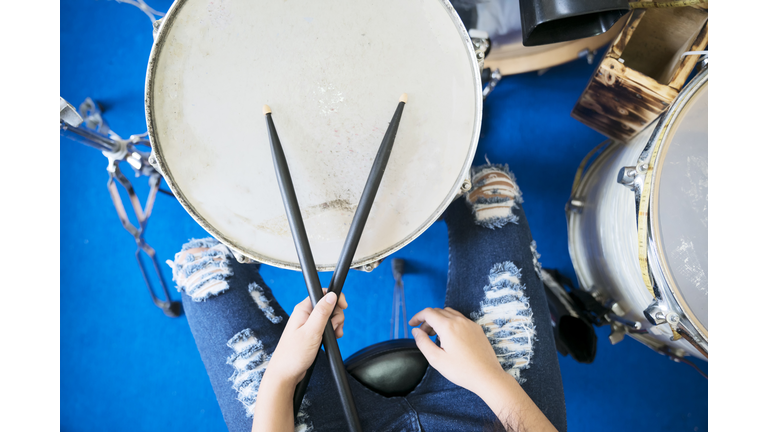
(156, 27)
(655, 314)
(627, 176)
(242, 259)
(466, 185)
(369, 267)
(482, 44)
(152, 159)
(574, 206)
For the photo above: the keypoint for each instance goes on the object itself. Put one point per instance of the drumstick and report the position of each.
(358, 223)
(366, 200)
(308, 268)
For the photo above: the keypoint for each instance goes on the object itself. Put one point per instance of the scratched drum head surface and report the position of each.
(679, 206)
(332, 72)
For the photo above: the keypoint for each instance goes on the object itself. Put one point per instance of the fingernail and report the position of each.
(413, 331)
(330, 297)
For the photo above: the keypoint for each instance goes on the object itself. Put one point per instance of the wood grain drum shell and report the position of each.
(332, 72)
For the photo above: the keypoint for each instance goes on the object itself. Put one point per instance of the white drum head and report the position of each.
(679, 207)
(332, 72)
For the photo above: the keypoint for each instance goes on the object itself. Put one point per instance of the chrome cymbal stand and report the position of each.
(398, 301)
(89, 128)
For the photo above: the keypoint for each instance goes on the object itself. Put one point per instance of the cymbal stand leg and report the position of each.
(87, 126)
(170, 308)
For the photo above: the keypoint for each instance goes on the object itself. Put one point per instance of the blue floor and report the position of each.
(127, 367)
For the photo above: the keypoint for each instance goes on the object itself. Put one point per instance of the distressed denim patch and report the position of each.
(494, 196)
(250, 360)
(536, 256)
(202, 274)
(257, 293)
(506, 317)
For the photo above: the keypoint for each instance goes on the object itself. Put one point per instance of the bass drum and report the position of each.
(332, 72)
(639, 243)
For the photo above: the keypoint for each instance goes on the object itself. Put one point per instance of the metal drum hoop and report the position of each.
(670, 298)
(462, 183)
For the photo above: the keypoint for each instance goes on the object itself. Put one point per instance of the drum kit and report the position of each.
(332, 70)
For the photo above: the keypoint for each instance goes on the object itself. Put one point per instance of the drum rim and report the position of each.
(158, 160)
(662, 272)
(572, 219)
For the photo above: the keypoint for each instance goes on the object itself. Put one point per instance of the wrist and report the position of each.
(488, 382)
(495, 383)
(274, 403)
(279, 379)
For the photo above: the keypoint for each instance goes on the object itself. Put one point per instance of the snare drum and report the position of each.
(332, 72)
(664, 170)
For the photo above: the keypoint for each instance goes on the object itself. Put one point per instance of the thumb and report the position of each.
(320, 314)
(426, 346)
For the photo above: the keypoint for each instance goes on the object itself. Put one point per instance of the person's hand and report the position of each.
(464, 357)
(302, 337)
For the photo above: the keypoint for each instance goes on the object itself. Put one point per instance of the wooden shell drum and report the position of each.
(501, 19)
(603, 226)
(332, 72)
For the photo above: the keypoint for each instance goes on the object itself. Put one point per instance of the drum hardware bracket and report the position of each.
(673, 319)
(617, 333)
(574, 206)
(616, 308)
(629, 323)
(493, 79)
(369, 267)
(241, 258)
(654, 313)
(156, 27)
(466, 185)
(627, 176)
(482, 44)
(89, 128)
(674, 323)
(589, 54)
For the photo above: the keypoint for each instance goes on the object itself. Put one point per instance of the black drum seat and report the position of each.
(390, 368)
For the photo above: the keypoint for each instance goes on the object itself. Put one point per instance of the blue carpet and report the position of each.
(127, 367)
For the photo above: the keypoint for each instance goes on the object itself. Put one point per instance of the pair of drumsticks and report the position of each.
(301, 241)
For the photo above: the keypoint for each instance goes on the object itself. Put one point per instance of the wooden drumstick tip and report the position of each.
(267, 110)
(404, 98)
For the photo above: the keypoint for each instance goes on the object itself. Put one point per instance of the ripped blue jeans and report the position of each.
(493, 279)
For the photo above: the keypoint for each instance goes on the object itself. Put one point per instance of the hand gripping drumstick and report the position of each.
(356, 229)
(309, 270)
